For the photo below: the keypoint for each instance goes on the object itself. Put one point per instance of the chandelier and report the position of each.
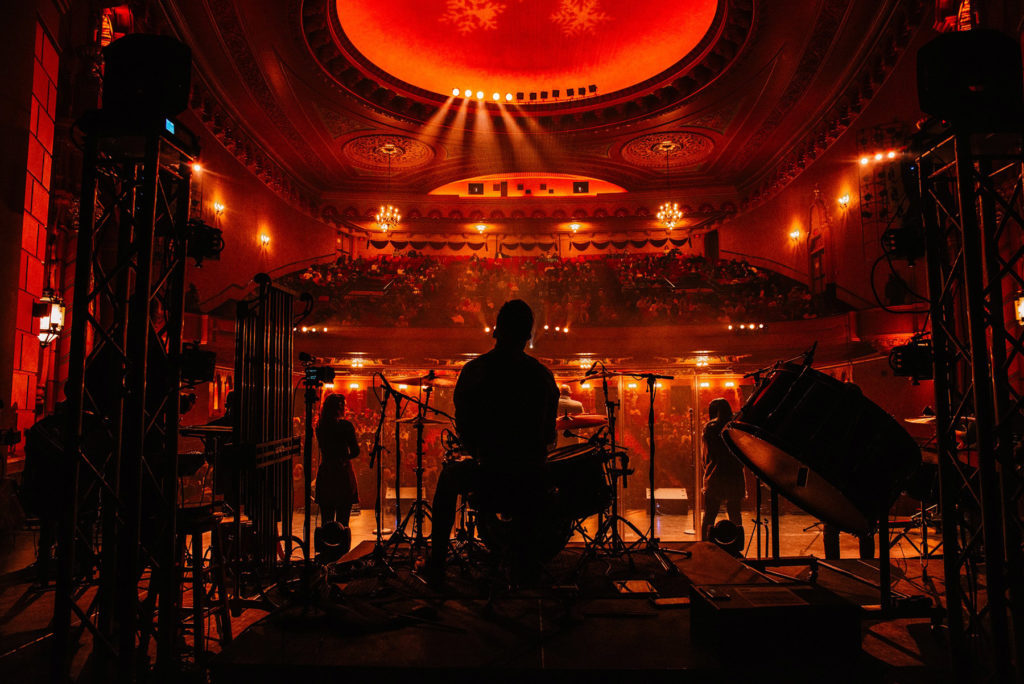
(388, 217)
(668, 213)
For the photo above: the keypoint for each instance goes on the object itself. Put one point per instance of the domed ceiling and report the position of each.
(510, 46)
(724, 101)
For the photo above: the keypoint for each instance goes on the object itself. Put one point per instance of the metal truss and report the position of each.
(116, 551)
(971, 199)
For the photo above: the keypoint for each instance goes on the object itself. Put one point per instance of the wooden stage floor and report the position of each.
(376, 627)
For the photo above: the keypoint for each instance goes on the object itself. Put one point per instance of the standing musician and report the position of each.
(723, 473)
(505, 407)
(336, 489)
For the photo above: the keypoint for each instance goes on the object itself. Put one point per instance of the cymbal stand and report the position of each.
(420, 508)
(652, 540)
(607, 539)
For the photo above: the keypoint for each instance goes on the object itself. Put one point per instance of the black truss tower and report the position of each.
(116, 549)
(971, 195)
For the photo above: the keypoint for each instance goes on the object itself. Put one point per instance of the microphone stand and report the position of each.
(652, 540)
(379, 559)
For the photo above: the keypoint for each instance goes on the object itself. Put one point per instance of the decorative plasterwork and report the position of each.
(343, 68)
(366, 151)
(684, 149)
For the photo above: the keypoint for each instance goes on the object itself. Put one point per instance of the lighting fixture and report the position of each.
(480, 228)
(496, 96)
(864, 161)
(456, 92)
(508, 97)
(878, 157)
(574, 227)
(1018, 308)
(844, 201)
(479, 94)
(388, 217)
(50, 312)
(218, 208)
(197, 167)
(668, 213)
(264, 240)
(794, 234)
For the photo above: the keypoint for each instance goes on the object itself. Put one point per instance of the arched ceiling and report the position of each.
(510, 46)
(718, 99)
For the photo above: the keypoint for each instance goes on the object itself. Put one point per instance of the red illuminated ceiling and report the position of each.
(525, 45)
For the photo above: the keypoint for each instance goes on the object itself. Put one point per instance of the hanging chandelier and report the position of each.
(388, 217)
(668, 213)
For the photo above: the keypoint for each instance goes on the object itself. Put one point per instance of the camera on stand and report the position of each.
(314, 375)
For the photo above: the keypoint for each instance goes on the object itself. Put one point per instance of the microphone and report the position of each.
(590, 371)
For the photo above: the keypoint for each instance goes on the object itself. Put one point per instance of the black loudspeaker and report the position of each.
(146, 75)
(972, 79)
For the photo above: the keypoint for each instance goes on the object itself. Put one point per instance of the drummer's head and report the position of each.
(564, 390)
(720, 409)
(515, 323)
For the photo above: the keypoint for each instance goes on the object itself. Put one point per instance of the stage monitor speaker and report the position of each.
(972, 79)
(146, 75)
(775, 623)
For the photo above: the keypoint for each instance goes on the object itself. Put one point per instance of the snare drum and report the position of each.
(824, 446)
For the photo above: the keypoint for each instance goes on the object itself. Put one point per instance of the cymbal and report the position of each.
(580, 420)
(920, 420)
(429, 380)
(425, 421)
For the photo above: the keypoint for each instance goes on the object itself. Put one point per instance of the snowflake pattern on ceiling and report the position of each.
(577, 17)
(472, 15)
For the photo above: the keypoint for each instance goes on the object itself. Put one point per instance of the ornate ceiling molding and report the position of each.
(407, 153)
(672, 148)
(858, 94)
(349, 73)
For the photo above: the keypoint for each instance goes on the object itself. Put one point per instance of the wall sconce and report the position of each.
(794, 234)
(574, 227)
(844, 201)
(264, 240)
(1018, 307)
(50, 312)
(218, 208)
(480, 228)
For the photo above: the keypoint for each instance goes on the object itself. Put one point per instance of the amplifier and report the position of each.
(769, 623)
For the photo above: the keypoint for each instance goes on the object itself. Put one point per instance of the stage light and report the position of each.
(730, 383)
(864, 161)
(305, 329)
(329, 385)
(468, 93)
(353, 385)
(632, 385)
(487, 329)
(558, 328)
(508, 97)
(585, 385)
(545, 327)
(325, 330)
(891, 155)
(565, 330)
(844, 201)
(481, 227)
(402, 388)
(197, 167)
(574, 227)
(760, 325)
(730, 326)
(497, 97)
(456, 92)
(479, 94)
(878, 157)
(705, 384)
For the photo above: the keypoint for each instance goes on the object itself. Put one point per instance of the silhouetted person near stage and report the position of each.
(336, 489)
(723, 473)
(505, 407)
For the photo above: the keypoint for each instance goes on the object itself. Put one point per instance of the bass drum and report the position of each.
(578, 488)
(824, 446)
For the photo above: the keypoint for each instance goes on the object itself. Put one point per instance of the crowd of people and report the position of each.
(639, 289)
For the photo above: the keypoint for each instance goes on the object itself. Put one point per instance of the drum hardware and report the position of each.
(431, 379)
(607, 539)
(420, 508)
(378, 559)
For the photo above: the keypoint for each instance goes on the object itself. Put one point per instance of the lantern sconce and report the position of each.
(50, 312)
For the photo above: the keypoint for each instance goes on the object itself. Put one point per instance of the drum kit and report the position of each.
(584, 478)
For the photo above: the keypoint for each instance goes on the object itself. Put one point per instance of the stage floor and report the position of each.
(575, 622)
